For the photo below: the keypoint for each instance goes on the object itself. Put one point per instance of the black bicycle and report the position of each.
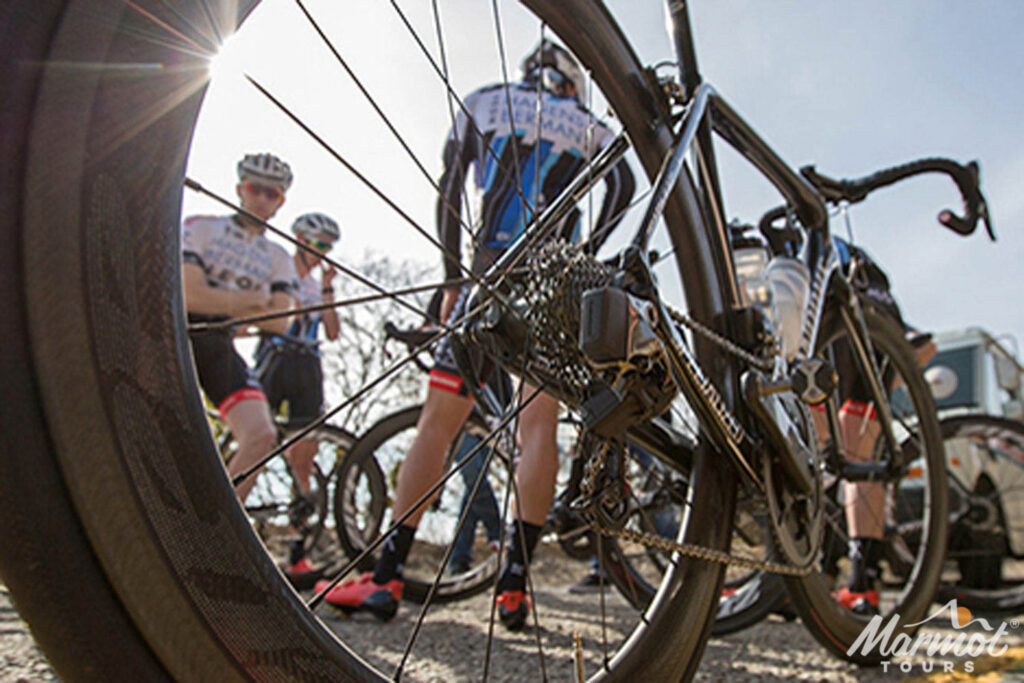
(122, 541)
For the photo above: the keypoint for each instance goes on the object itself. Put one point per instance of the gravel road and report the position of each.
(452, 642)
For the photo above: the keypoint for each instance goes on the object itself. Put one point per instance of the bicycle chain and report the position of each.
(668, 546)
(765, 364)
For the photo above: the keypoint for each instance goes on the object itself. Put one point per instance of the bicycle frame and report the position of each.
(705, 111)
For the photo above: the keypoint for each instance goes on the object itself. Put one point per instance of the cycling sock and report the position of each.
(393, 554)
(864, 556)
(520, 550)
(296, 551)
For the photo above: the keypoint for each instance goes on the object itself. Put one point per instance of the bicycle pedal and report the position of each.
(814, 381)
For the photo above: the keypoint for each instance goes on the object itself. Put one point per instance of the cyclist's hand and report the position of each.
(448, 303)
(329, 272)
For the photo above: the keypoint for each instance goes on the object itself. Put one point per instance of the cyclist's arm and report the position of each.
(457, 157)
(330, 317)
(280, 302)
(203, 299)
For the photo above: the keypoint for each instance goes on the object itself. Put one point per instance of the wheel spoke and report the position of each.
(387, 121)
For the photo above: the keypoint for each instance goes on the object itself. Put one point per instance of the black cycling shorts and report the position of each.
(296, 377)
(222, 373)
(445, 374)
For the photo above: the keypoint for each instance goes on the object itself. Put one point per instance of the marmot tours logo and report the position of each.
(971, 637)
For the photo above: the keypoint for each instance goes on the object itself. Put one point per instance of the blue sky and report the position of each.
(851, 87)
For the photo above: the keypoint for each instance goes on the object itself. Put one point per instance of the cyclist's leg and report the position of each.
(865, 501)
(240, 400)
(249, 420)
(443, 414)
(535, 485)
(305, 404)
(535, 475)
(462, 549)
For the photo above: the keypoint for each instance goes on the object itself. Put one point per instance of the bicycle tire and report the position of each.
(996, 600)
(831, 625)
(149, 566)
(364, 459)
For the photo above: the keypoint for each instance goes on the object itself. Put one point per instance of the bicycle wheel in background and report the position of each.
(120, 536)
(916, 506)
(282, 511)
(985, 459)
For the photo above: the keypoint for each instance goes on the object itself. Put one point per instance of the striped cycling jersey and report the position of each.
(569, 136)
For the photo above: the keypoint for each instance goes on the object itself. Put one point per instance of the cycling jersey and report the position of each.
(544, 161)
(874, 283)
(236, 260)
(308, 292)
(499, 153)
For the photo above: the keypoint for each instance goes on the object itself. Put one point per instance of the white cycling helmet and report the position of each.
(266, 167)
(548, 59)
(317, 226)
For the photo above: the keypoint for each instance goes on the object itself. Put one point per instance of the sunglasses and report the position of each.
(266, 190)
(321, 246)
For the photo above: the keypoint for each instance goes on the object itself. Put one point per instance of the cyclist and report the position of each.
(543, 161)
(293, 371)
(230, 269)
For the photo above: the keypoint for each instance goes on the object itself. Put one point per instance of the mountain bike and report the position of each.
(123, 544)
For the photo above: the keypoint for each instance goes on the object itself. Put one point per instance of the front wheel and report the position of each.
(910, 503)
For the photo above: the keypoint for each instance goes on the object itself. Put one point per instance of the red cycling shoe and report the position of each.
(513, 607)
(865, 603)
(362, 594)
(303, 574)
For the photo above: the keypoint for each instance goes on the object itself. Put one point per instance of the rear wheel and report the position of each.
(144, 562)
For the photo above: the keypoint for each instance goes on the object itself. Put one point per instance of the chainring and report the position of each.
(797, 522)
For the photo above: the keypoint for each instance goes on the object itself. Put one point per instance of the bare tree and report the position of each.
(359, 355)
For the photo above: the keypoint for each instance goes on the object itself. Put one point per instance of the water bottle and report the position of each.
(750, 257)
(790, 284)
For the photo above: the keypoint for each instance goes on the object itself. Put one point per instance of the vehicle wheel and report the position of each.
(986, 472)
